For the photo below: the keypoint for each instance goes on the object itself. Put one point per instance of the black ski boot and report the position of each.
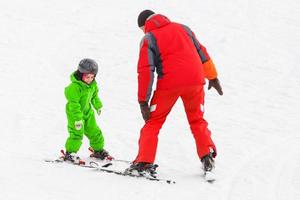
(208, 162)
(143, 169)
(72, 157)
(102, 155)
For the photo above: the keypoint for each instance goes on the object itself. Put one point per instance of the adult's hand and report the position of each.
(145, 110)
(215, 83)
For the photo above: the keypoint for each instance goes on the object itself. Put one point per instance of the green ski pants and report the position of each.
(89, 129)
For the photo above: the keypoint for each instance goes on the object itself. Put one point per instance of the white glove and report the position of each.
(99, 112)
(78, 125)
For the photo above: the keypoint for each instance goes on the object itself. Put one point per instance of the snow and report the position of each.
(255, 45)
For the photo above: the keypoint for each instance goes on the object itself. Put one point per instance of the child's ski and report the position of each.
(81, 162)
(62, 161)
(71, 163)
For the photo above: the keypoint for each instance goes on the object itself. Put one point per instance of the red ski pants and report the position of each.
(161, 105)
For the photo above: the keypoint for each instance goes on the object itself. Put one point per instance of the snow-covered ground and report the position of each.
(255, 45)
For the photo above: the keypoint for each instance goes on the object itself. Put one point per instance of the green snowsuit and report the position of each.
(80, 96)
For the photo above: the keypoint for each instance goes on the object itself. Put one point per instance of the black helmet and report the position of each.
(87, 66)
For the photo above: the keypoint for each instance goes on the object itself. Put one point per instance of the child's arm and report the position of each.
(96, 102)
(73, 94)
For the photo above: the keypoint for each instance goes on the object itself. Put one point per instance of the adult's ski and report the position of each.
(124, 173)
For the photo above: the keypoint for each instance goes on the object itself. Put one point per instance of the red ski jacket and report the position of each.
(172, 50)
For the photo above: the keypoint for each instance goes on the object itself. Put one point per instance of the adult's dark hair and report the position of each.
(143, 17)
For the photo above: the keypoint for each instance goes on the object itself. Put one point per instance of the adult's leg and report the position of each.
(160, 106)
(193, 101)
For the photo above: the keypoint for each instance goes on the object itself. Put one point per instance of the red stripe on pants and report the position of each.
(193, 98)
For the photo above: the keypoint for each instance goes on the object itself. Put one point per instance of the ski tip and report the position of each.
(94, 164)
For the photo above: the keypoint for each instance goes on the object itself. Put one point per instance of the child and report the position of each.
(81, 95)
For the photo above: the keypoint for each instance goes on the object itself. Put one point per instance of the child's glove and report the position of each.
(78, 125)
(215, 83)
(99, 112)
(145, 110)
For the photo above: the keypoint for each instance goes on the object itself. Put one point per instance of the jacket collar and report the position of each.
(156, 21)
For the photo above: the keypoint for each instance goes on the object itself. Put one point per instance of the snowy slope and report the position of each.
(255, 45)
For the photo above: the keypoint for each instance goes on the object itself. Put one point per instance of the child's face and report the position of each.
(88, 78)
